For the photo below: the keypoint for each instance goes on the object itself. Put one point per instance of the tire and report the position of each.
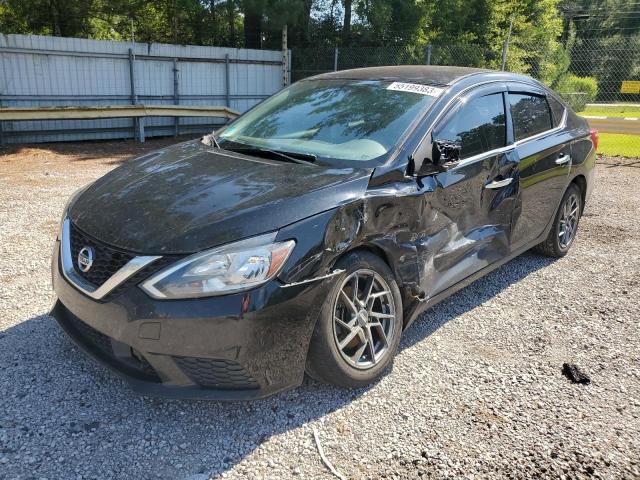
(555, 245)
(354, 366)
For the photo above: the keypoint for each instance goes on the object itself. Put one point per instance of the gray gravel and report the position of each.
(476, 390)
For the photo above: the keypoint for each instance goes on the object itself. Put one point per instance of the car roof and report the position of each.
(424, 74)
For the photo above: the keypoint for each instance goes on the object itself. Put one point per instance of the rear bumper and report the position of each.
(233, 347)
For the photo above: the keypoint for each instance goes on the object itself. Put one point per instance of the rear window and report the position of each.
(531, 114)
(478, 126)
(557, 110)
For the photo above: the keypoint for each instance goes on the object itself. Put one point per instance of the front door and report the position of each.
(471, 204)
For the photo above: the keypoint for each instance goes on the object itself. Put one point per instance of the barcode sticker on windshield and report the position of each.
(416, 88)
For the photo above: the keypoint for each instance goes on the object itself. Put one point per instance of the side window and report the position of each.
(557, 110)
(530, 113)
(478, 126)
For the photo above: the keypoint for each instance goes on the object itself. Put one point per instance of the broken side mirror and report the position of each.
(446, 153)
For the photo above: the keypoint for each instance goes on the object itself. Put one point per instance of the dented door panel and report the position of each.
(471, 222)
(434, 231)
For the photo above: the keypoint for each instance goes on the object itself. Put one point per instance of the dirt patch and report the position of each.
(41, 164)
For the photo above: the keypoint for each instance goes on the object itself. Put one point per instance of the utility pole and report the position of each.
(285, 57)
(138, 123)
(428, 60)
(132, 62)
(505, 46)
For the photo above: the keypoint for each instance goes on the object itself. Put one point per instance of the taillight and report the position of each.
(595, 138)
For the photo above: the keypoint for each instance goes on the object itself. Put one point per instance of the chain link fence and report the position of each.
(598, 77)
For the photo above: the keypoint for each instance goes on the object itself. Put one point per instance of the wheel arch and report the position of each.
(581, 182)
(405, 285)
(374, 249)
(384, 254)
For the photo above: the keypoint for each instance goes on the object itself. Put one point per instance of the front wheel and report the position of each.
(565, 225)
(360, 324)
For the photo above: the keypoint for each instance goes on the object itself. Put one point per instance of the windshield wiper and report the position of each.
(293, 157)
(211, 140)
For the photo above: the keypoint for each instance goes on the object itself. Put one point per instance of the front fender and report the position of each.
(385, 222)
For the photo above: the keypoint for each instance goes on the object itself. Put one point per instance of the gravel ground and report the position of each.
(476, 390)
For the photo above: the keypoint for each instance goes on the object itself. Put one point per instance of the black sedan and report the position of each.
(308, 234)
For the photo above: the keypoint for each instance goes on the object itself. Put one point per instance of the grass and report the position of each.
(619, 144)
(612, 111)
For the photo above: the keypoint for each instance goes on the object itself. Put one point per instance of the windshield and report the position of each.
(353, 121)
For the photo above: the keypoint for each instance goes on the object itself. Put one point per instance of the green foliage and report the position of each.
(600, 18)
(459, 21)
(536, 23)
(541, 41)
(46, 17)
(390, 22)
(577, 91)
(610, 28)
(201, 22)
(310, 22)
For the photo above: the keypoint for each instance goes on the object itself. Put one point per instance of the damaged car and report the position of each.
(310, 232)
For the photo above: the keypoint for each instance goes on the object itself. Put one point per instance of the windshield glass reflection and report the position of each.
(330, 119)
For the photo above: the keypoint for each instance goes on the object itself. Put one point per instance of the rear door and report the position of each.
(544, 150)
(471, 204)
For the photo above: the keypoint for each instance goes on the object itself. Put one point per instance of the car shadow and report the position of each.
(66, 414)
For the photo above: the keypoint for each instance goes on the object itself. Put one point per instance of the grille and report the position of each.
(216, 373)
(107, 260)
(135, 364)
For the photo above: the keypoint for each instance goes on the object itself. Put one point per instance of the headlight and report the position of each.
(231, 268)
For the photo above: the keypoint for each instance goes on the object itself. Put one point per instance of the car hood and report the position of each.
(190, 197)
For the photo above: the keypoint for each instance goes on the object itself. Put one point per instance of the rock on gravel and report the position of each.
(477, 389)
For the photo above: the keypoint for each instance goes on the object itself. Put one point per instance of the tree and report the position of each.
(479, 24)
(346, 24)
(253, 10)
(69, 18)
(388, 22)
(602, 36)
(599, 18)
(534, 48)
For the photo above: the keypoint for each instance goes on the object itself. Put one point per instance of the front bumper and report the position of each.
(240, 346)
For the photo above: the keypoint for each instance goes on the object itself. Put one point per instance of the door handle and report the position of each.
(562, 159)
(499, 183)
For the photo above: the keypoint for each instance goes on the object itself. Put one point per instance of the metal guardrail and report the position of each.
(138, 112)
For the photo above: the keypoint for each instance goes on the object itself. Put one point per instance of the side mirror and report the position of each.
(445, 153)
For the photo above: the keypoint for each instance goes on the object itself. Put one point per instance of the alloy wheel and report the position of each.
(364, 319)
(569, 221)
